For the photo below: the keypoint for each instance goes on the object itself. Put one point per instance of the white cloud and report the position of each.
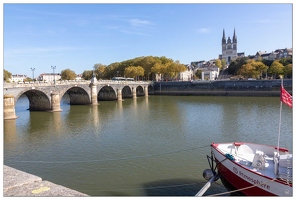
(203, 30)
(138, 22)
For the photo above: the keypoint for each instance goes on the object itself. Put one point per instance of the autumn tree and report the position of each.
(175, 68)
(159, 68)
(147, 63)
(99, 70)
(218, 63)
(261, 67)
(6, 75)
(223, 62)
(276, 68)
(134, 71)
(87, 74)
(68, 74)
(248, 69)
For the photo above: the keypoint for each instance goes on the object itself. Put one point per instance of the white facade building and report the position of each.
(210, 74)
(18, 78)
(49, 77)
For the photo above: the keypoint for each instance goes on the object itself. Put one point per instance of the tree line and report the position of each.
(147, 67)
(140, 68)
(261, 68)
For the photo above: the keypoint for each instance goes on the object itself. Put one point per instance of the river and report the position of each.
(148, 146)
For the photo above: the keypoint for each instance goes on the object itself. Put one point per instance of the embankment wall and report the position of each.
(222, 88)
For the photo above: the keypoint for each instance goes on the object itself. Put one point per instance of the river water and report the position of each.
(148, 146)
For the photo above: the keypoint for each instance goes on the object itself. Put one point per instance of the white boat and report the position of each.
(254, 169)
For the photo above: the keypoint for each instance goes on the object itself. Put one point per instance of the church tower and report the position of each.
(229, 48)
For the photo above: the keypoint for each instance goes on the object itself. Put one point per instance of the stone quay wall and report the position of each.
(267, 88)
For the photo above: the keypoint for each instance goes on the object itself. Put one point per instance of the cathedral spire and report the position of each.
(234, 39)
(223, 38)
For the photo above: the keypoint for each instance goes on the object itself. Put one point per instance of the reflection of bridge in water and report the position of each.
(47, 96)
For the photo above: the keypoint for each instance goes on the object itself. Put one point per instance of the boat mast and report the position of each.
(280, 121)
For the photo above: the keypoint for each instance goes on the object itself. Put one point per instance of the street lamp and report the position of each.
(33, 69)
(53, 68)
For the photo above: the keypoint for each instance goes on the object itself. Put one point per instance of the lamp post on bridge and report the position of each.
(33, 69)
(53, 68)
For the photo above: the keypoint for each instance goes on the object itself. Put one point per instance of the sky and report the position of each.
(77, 35)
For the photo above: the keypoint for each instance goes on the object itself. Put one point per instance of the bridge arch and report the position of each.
(38, 100)
(140, 91)
(77, 96)
(127, 92)
(107, 93)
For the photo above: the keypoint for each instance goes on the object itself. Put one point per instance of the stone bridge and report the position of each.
(47, 96)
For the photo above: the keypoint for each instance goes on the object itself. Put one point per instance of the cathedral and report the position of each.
(229, 48)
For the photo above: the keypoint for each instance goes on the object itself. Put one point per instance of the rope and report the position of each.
(103, 160)
(229, 192)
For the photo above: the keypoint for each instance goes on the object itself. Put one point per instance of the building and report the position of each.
(229, 48)
(18, 78)
(49, 77)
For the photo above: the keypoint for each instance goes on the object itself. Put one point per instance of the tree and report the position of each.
(147, 63)
(99, 70)
(174, 68)
(6, 75)
(276, 68)
(288, 70)
(68, 74)
(247, 70)
(87, 74)
(236, 64)
(261, 67)
(198, 73)
(134, 71)
(223, 62)
(159, 68)
(218, 63)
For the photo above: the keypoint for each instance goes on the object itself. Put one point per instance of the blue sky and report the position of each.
(77, 36)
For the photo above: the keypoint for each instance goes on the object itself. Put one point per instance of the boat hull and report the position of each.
(237, 177)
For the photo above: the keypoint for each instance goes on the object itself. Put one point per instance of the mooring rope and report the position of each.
(104, 160)
(232, 191)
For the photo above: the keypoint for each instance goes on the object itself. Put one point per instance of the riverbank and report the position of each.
(222, 88)
(17, 183)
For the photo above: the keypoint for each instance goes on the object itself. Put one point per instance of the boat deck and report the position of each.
(247, 156)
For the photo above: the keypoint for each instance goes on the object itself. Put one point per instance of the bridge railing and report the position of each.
(68, 82)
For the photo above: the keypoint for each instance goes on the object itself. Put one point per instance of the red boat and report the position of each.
(253, 169)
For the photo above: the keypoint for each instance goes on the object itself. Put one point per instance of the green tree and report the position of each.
(68, 74)
(276, 68)
(87, 74)
(288, 70)
(198, 73)
(6, 75)
(236, 64)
